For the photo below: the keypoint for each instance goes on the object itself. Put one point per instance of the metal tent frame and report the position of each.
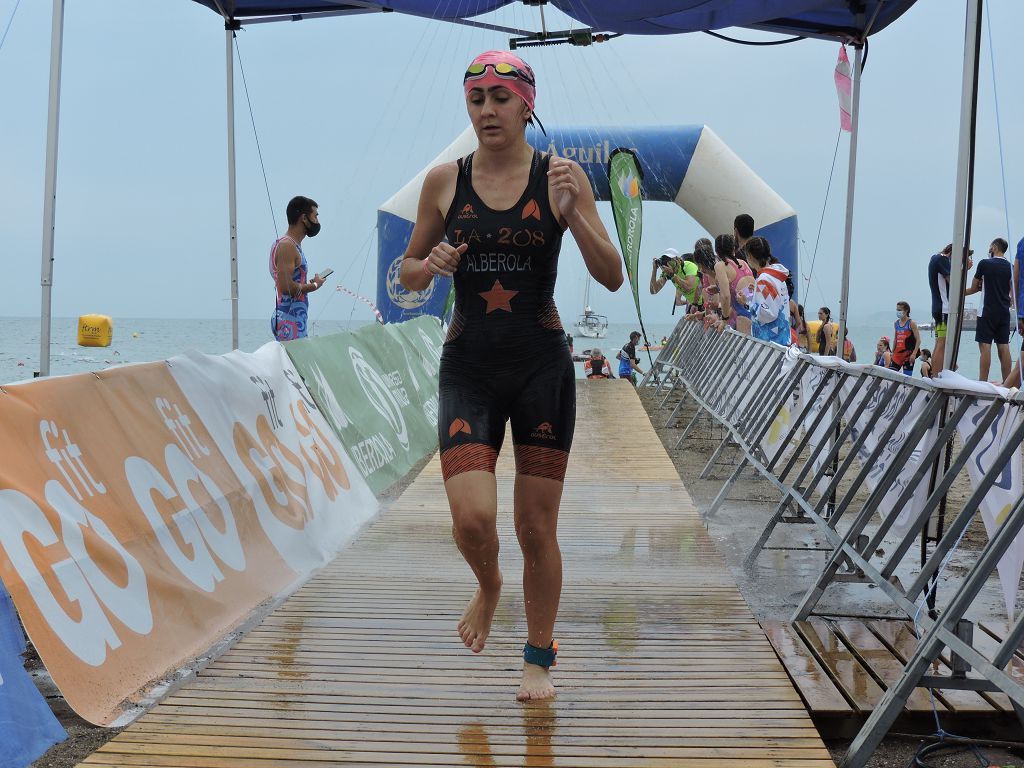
(232, 24)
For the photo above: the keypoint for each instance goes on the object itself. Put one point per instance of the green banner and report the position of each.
(625, 177)
(378, 388)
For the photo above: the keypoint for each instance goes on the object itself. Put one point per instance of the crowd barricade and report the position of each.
(867, 456)
(147, 511)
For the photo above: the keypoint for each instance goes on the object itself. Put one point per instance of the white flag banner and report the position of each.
(1008, 487)
(890, 406)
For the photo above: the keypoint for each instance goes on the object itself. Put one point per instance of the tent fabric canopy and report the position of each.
(639, 17)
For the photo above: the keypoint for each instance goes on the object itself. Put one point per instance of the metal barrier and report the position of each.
(808, 424)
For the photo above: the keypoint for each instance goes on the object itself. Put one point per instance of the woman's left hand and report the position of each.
(564, 184)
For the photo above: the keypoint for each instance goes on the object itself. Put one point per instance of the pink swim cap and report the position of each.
(484, 72)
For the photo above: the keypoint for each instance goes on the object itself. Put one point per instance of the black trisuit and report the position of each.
(506, 355)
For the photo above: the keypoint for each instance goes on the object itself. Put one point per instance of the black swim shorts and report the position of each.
(539, 398)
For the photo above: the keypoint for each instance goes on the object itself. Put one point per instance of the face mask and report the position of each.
(900, 314)
(313, 229)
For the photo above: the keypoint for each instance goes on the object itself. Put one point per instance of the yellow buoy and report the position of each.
(95, 331)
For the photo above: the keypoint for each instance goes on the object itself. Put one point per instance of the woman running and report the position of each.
(494, 221)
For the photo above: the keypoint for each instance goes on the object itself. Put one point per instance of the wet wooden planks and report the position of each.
(842, 668)
(661, 662)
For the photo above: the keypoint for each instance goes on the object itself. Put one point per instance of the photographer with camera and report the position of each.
(682, 272)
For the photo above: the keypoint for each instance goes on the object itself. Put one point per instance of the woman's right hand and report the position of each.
(444, 259)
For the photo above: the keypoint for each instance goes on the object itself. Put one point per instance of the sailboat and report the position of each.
(590, 324)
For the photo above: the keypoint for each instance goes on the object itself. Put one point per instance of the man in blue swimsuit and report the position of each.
(288, 268)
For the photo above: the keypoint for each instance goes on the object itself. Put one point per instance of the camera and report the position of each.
(664, 260)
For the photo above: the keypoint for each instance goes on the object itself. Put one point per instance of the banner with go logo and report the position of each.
(146, 510)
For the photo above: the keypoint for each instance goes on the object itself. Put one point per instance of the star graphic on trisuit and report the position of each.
(498, 298)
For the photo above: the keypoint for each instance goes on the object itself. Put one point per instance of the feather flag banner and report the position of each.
(844, 89)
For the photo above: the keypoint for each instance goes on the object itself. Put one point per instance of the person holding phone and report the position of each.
(288, 268)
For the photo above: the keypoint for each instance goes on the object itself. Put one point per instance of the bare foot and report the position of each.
(536, 684)
(475, 624)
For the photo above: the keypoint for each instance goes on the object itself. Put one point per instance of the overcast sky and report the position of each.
(348, 109)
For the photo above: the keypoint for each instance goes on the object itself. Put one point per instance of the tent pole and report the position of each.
(229, 36)
(851, 185)
(50, 188)
(964, 181)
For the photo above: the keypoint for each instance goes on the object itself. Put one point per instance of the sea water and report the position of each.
(138, 340)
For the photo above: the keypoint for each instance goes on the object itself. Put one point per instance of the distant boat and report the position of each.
(591, 324)
(969, 322)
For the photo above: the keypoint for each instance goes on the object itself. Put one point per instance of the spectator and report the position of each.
(727, 278)
(938, 281)
(596, 366)
(803, 340)
(826, 340)
(883, 352)
(994, 280)
(629, 363)
(681, 272)
(770, 310)
(849, 351)
(689, 284)
(926, 363)
(743, 230)
(289, 270)
(907, 340)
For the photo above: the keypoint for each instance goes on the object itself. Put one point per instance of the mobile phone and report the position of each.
(326, 273)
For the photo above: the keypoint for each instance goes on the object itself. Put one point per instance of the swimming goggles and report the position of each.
(501, 69)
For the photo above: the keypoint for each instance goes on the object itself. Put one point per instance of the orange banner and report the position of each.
(127, 540)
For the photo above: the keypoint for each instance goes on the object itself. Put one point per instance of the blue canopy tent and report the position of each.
(846, 20)
(830, 19)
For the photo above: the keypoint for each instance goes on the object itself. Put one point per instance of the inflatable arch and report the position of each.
(687, 165)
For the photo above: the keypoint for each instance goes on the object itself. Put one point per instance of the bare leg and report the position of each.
(938, 355)
(1013, 380)
(986, 361)
(536, 519)
(473, 497)
(1005, 362)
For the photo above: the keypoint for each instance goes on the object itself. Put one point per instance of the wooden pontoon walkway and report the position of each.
(661, 661)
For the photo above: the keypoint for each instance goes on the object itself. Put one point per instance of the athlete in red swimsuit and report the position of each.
(494, 220)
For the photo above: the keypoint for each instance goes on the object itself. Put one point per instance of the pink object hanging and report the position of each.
(844, 89)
